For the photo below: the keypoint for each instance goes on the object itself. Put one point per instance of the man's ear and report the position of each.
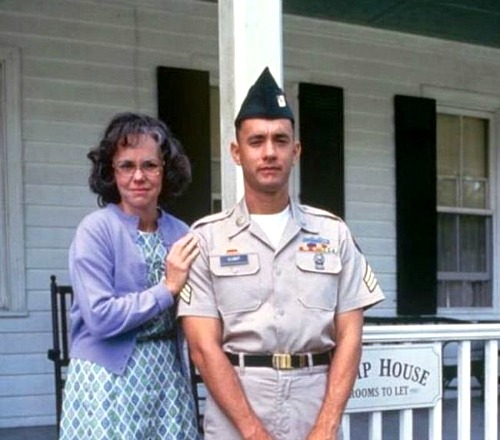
(235, 152)
(297, 152)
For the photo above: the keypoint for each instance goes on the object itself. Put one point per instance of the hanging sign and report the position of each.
(397, 377)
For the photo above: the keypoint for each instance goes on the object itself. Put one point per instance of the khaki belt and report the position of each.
(281, 361)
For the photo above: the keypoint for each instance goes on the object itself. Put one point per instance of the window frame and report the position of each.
(492, 194)
(12, 259)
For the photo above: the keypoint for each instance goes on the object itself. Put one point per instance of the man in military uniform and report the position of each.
(273, 309)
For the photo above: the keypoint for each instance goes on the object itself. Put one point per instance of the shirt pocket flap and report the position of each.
(319, 262)
(229, 265)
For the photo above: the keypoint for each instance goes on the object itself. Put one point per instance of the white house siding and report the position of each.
(83, 61)
(372, 66)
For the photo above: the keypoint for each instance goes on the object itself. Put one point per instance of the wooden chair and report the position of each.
(61, 298)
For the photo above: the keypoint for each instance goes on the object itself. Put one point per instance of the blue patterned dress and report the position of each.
(151, 401)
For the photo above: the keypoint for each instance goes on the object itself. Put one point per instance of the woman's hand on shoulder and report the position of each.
(178, 261)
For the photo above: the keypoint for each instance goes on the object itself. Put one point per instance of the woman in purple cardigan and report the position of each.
(128, 376)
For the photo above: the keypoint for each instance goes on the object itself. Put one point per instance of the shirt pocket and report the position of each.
(237, 286)
(318, 279)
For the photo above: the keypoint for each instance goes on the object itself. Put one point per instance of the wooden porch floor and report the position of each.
(358, 430)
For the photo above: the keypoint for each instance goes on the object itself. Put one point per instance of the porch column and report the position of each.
(250, 38)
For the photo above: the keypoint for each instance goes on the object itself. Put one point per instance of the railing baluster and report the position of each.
(375, 426)
(346, 427)
(491, 390)
(464, 394)
(436, 421)
(406, 424)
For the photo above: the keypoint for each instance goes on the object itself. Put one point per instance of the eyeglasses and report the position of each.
(148, 168)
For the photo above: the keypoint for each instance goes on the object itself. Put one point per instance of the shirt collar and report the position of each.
(240, 218)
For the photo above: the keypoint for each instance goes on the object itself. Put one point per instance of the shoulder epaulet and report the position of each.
(319, 212)
(212, 218)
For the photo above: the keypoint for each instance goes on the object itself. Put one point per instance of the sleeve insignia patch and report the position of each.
(369, 279)
(186, 293)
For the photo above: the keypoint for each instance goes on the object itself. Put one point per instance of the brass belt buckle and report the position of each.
(282, 361)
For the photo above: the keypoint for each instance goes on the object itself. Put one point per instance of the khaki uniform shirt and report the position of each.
(279, 300)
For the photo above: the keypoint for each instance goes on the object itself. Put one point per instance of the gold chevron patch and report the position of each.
(185, 293)
(370, 279)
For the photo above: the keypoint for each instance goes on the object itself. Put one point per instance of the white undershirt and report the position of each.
(273, 224)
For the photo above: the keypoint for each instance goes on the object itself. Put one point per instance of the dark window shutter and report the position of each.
(416, 220)
(322, 137)
(184, 105)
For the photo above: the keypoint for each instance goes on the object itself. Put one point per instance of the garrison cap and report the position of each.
(265, 100)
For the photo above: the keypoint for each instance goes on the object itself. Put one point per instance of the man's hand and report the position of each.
(343, 370)
(259, 433)
(322, 433)
(204, 336)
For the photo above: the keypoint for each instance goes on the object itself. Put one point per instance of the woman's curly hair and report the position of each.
(177, 169)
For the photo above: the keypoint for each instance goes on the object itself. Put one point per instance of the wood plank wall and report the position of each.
(84, 60)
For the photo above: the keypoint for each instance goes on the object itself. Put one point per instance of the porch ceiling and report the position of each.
(470, 21)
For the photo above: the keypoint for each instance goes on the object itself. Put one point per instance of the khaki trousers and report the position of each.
(286, 401)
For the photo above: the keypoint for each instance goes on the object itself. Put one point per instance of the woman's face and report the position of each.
(138, 168)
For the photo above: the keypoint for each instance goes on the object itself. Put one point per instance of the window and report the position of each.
(12, 287)
(465, 215)
(184, 104)
(216, 184)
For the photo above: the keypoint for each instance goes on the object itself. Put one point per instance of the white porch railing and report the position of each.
(463, 334)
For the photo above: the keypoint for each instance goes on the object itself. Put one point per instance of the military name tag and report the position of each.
(234, 260)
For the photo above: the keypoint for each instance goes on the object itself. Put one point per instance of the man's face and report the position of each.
(266, 151)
